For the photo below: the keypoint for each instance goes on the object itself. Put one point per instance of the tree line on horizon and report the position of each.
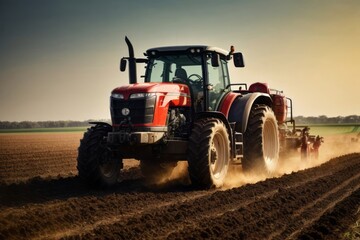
(46, 124)
(323, 119)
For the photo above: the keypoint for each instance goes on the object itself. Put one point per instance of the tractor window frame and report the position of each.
(218, 83)
(171, 59)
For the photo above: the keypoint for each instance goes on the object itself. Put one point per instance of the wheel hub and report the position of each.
(214, 155)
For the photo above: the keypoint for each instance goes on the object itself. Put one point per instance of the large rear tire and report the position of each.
(95, 163)
(261, 142)
(208, 153)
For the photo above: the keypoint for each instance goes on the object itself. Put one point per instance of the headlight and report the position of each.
(141, 95)
(117, 95)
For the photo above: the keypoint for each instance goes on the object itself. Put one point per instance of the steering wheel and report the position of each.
(178, 80)
(196, 81)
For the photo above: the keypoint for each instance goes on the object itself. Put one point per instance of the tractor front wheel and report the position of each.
(208, 153)
(95, 163)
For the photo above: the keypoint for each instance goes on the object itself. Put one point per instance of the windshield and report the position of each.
(168, 68)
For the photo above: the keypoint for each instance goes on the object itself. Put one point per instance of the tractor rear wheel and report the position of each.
(155, 172)
(95, 164)
(208, 153)
(261, 141)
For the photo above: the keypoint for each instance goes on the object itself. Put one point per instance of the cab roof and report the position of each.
(185, 48)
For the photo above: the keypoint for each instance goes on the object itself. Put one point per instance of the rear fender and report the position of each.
(241, 107)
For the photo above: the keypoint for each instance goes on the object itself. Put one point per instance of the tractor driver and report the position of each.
(180, 75)
(196, 90)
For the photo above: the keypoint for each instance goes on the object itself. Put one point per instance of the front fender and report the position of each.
(241, 107)
(223, 118)
(101, 124)
(218, 115)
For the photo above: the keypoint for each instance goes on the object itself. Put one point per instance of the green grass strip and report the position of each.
(44, 130)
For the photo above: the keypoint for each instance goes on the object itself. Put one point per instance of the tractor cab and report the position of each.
(202, 69)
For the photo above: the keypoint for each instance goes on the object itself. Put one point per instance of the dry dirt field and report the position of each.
(41, 197)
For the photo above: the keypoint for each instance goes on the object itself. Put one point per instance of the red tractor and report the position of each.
(186, 110)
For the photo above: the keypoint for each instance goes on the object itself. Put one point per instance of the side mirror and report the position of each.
(215, 59)
(238, 59)
(122, 65)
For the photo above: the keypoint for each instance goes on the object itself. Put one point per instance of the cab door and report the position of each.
(218, 80)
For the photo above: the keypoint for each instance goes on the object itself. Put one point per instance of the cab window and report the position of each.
(218, 81)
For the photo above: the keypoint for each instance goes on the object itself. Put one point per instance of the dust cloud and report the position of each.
(333, 146)
(178, 177)
(180, 173)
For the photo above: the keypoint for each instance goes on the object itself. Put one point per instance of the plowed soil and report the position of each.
(41, 197)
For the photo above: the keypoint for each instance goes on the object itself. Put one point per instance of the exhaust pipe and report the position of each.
(132, 62)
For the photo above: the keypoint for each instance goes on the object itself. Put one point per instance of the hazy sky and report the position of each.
(59, 59)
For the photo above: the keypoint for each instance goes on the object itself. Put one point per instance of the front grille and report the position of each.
(141, 110)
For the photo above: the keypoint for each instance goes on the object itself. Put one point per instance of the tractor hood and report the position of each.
(164, 88)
